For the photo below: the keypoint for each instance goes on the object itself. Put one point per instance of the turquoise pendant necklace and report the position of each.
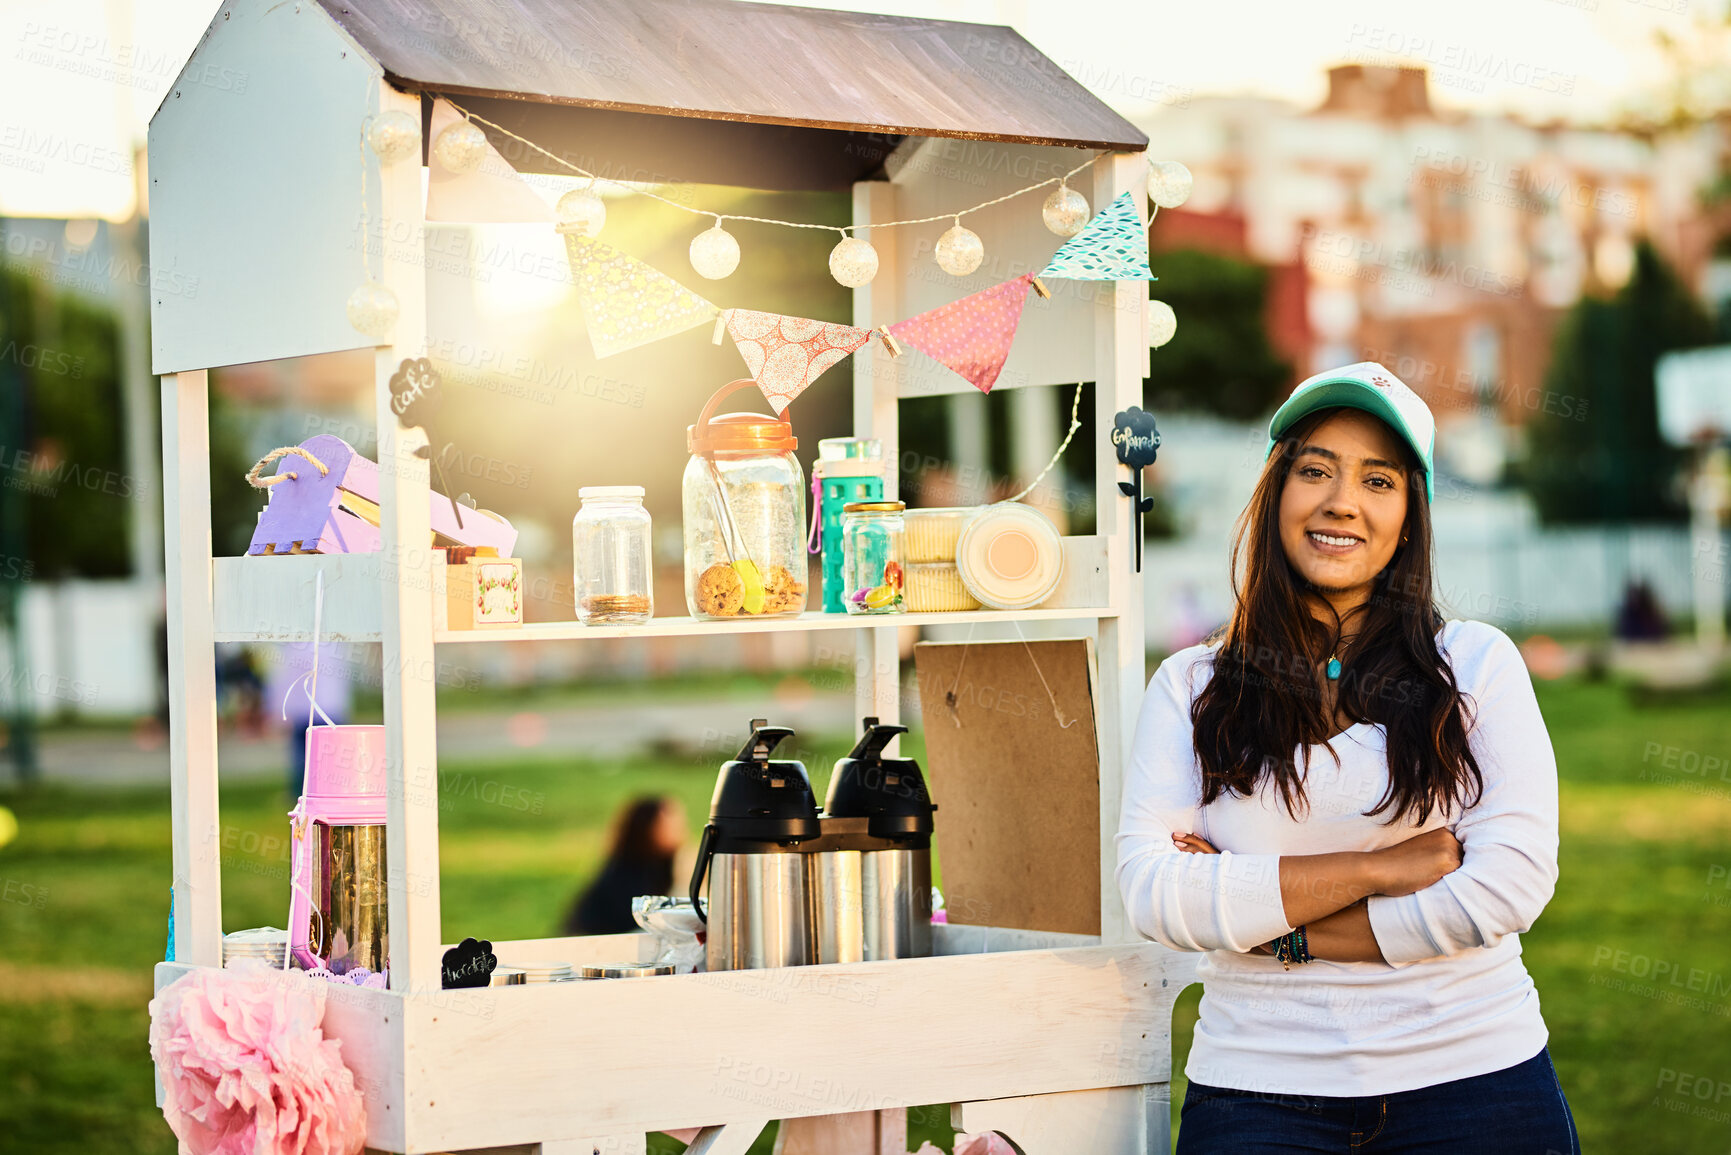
(1334, 669)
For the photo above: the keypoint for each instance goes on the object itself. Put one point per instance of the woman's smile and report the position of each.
(1334, 543)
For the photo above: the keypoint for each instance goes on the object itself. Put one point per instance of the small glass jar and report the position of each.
(610, 567)
(871, 551)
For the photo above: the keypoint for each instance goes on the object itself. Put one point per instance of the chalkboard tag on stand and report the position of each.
(1137, 441)
(469, 964)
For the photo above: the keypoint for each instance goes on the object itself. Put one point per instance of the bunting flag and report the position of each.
(972, 335)
(1112, 247)
(625, 302)
(785, 354)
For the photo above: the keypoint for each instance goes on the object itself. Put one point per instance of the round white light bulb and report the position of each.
(373, 309)
(853, 262)
(1162, 323)
(394, 136)
(714, 253)
(460, 148)
(1169, 183)
(1065, 211)
(960, 251)
(581, 212)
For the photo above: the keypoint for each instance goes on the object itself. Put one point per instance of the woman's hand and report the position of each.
(1409, 866)
(1193, 844)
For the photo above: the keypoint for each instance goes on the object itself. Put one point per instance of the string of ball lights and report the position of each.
(462, 147)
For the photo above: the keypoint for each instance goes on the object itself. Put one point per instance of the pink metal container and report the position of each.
(337, 910)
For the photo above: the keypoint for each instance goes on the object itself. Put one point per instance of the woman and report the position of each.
(1351, 806)
(646, 840)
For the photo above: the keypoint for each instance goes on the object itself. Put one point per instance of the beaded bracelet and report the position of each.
(1292, 948)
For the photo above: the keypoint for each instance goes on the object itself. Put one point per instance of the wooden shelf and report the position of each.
(556, 1062)
(692, 627)
(270, 599)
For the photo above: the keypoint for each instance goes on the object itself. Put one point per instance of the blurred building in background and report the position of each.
(1448, 246)
(1445, 245)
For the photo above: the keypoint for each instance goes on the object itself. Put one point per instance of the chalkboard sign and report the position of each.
(1137, 442)
(469, 964)
(415, 392)
(1135, 437)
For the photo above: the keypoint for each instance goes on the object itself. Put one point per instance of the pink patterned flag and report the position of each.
(785, 354)
(972, 335)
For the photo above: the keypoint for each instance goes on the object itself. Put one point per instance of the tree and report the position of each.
(1612, 465)
(1220, 361)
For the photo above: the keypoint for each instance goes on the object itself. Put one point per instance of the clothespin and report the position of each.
(889, 341)
(720, 327)
(1044, 292)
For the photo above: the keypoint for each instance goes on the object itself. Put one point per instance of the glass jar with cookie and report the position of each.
(744, 515)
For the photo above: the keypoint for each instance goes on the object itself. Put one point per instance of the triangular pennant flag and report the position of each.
(1112, 247)
(972, 335)
(785, 354)
(625, 302)
(494, 193)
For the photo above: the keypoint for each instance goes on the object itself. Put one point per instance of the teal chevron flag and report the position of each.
(1113, 247)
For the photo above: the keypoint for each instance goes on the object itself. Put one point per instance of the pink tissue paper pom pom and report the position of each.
(985, 1143)
(246, 1069)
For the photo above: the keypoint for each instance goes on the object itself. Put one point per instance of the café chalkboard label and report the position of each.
(416, 398)
(1137, 442)
(415, 393)
(469, 964)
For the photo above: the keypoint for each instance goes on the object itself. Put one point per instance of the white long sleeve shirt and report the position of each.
(1453, 998)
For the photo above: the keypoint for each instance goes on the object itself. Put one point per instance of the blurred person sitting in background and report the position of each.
(1640, 618)
(647, 837)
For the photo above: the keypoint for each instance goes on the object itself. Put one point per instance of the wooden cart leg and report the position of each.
(602, 1145)
(855, 1133)
(726, 1139)
(1110, 1121)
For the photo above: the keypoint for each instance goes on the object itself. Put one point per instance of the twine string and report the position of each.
(672, 203)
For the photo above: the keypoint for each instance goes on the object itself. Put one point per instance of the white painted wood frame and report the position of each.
(1026, 1028)
(191, 669)
(406, 613)
(877, 654)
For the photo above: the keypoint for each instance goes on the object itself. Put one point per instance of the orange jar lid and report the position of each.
(741, 434)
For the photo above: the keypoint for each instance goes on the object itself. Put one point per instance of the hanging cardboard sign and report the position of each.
(1013, 758)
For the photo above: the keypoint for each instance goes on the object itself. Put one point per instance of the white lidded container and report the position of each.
(1010, 557)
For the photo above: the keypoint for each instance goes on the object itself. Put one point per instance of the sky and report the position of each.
(79, 79)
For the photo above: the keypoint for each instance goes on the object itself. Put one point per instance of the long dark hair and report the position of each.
(1262, 703)
(634, 838)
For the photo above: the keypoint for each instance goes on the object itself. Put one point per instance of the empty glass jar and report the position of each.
(871, 552)
(610, 561)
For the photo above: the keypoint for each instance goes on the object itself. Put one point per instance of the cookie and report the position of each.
(720, 593)
(781, 593)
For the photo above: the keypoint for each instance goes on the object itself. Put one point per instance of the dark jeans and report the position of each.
(1519, 1110)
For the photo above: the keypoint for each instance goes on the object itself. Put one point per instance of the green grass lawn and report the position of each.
(84, 890)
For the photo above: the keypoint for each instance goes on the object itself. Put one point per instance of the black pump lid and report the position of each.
(759, 799)
(890, 792)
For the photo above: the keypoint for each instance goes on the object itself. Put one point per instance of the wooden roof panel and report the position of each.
(720, 59)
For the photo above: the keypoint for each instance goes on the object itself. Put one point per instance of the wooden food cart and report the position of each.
(1061, 1040)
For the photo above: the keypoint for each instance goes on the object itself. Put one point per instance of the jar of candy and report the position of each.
(744, 514)
(610, 566)
(871, 550)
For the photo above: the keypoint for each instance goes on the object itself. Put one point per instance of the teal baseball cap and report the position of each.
(1372, 388)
